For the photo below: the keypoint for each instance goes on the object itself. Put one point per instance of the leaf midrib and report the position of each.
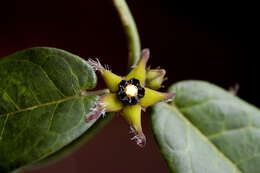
(86, 94)
(175, 109)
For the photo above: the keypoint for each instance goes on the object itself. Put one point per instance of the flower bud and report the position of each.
(155, 78)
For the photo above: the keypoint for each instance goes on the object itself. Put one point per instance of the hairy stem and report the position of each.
(134, 45)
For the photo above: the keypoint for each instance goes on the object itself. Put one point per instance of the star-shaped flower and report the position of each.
(128, 95)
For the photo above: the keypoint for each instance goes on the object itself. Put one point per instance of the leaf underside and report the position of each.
(41, 109)
(207, 130)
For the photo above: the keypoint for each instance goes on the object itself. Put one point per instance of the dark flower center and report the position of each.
(130, 91)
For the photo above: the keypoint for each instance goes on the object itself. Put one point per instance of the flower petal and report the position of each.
(139, 72)
(132, 113)
(151, 97)
(111, 103)
(112, 80)
(105, 103)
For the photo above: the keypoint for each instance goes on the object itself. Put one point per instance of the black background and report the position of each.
(192, 40)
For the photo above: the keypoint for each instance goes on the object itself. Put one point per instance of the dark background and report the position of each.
(199, 40)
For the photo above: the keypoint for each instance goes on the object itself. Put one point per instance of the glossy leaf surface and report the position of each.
(41, 105)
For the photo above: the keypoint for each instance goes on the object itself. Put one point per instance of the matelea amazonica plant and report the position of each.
(49, 106)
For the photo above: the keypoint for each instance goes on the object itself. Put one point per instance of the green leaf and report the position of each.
(42, 108)
(67, 150)
(207, 130)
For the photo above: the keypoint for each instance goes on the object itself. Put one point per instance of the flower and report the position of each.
(129, 94)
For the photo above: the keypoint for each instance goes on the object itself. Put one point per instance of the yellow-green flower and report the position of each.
(128, 95)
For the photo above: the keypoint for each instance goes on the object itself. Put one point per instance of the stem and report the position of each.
(134, 45)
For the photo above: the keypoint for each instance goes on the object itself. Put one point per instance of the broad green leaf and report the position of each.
(41, 105)
(67, 150)
(207, 130)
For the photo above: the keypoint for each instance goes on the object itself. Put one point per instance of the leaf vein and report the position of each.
(52, 115)
(34, 96)
(72, 72)
(46, 75)
(10, 99)
(3, 129)
(232, 130)
(41, 105)
(175, 109)
(247, 159)
(201, 103)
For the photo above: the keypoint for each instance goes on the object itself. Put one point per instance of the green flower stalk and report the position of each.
(129, 95)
